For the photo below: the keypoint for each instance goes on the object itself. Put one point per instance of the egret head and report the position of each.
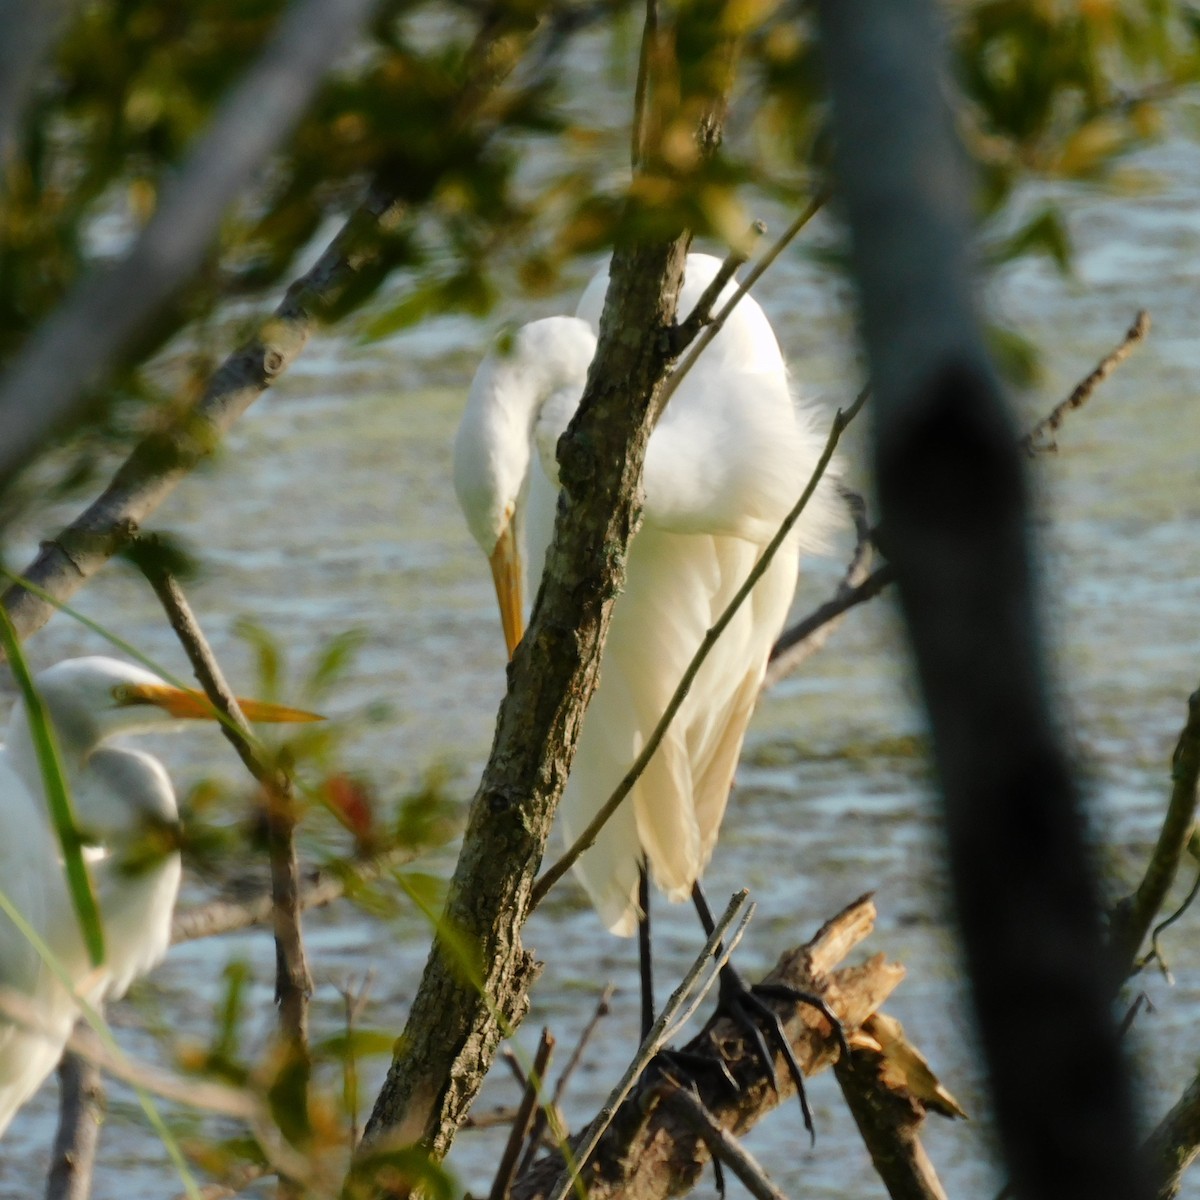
(494, 446)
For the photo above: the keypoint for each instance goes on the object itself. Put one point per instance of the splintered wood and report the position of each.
(653, 1151)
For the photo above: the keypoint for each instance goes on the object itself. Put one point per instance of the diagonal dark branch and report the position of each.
(1040, 438)
(75, 349)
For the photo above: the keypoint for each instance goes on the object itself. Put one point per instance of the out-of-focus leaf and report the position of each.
(335, 659)
(1045, 233)
(1017, 358)
(360, 1043)
(268, 656)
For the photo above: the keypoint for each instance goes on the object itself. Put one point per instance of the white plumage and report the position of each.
(725, 465)
(120, 796)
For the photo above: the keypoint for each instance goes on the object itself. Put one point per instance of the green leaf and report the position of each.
(356, 1043)
(268, 654)
(336, 658)
(58, 796)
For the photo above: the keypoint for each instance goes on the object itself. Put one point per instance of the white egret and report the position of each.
(123, 800)
(725, 465)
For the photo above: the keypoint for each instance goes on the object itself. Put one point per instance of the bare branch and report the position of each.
(322, 886)
(721, 1144)
(80, 1114)
(800, 641)
(714, 326)
(523, 1121)
(676, 1012)
(293, 982)
(1040, 439)
(649, 1153)
(77, 348)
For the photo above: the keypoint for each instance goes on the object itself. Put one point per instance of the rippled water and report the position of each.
(332, 508)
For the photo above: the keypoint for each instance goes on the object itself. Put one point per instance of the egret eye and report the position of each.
(124, 695)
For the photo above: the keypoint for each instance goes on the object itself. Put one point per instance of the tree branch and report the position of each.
(80, 1114)
(293, 982)
(1132, 917)
(352, 261)
(1040, 439)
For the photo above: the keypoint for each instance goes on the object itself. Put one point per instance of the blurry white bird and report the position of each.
(125, 808)
(725, 465)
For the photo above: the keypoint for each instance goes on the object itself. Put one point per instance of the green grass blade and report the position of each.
(58, 796)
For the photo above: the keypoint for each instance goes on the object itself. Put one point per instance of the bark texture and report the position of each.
(474, 989)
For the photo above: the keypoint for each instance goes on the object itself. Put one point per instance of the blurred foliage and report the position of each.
(509, 180)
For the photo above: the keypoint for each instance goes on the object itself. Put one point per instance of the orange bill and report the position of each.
(506, 572)
(186, 704)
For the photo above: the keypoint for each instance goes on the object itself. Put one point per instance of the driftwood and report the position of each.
(653, 1150)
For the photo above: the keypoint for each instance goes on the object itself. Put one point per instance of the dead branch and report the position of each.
(800, 641)
(722, 1145)
(523, 1122)
(1040, 439)
(650, 1152)
(889, 1088)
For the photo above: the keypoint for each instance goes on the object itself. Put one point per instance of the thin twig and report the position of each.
(80, 1114)
(641, 91)
(551, 1113)
(524, 1119)
(333, 881)
(354, 1000)
(1032, 442)
(723, 1146)
(840, 421)
(677, 1010)
(293, 982)
(803, 639)
(713, 327)
(846, 598)
(1156, 954)
(690, 327)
